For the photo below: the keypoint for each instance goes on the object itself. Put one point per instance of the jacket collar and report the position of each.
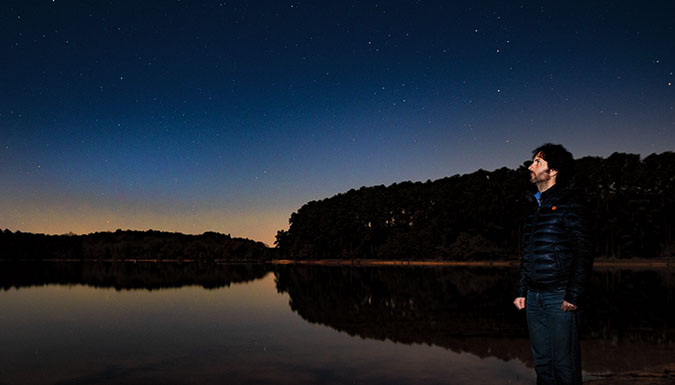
(546, 195)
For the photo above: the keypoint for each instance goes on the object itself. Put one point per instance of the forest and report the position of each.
(131, 245)
(629, 203)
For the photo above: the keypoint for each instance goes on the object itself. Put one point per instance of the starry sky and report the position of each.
(228, 116)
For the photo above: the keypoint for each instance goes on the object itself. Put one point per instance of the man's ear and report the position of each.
(552, 172)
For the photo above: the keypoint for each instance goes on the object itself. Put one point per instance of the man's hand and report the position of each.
(519, 302)
(566, 306)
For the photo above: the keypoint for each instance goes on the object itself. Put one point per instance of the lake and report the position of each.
(103, 323)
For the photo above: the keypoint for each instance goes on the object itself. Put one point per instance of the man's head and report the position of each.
(551, 164)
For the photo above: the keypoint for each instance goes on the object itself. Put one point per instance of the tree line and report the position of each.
(629, 203)
(129, 276)
(126, 245)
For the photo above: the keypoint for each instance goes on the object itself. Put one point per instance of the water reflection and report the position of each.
(628, 324)
(78, 324)
(127, 275)
(241, 334)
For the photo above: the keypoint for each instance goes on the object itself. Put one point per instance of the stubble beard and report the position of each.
(541, 178)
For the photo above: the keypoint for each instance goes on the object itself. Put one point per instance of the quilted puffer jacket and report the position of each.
(556, 252)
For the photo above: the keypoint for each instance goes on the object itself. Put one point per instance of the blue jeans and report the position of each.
(554, 339)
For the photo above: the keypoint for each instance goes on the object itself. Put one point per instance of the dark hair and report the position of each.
(558, 158)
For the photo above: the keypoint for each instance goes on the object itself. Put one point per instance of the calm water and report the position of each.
(169, 324)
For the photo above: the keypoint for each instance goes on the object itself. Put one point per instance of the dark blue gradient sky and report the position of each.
(228, 116)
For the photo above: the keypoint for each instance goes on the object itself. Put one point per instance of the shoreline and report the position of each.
(602, 263)
(599, 263)
(659, 375)
(373, 262)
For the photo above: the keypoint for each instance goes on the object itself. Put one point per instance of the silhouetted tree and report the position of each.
(125, 245)
(629, 202)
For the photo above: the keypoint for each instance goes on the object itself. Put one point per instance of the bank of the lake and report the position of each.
(661, 375)
(632, 263)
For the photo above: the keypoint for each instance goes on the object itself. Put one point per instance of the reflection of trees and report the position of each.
(470, 310)
(630, 202)
(633, 305)
(453, 308)
(122, 275)
(125, 245)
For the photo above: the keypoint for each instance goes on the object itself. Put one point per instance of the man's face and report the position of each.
(539, 171)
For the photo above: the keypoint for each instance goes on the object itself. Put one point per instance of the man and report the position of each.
(554, 269)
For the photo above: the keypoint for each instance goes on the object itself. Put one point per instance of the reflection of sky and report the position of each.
(242, 333)
(228, 116)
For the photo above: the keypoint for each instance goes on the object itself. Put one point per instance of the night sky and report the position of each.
(196, 116)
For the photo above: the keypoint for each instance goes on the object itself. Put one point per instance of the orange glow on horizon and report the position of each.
(255, 225)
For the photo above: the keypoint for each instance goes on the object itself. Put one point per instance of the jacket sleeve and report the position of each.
(582, 257)
(521, 286)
